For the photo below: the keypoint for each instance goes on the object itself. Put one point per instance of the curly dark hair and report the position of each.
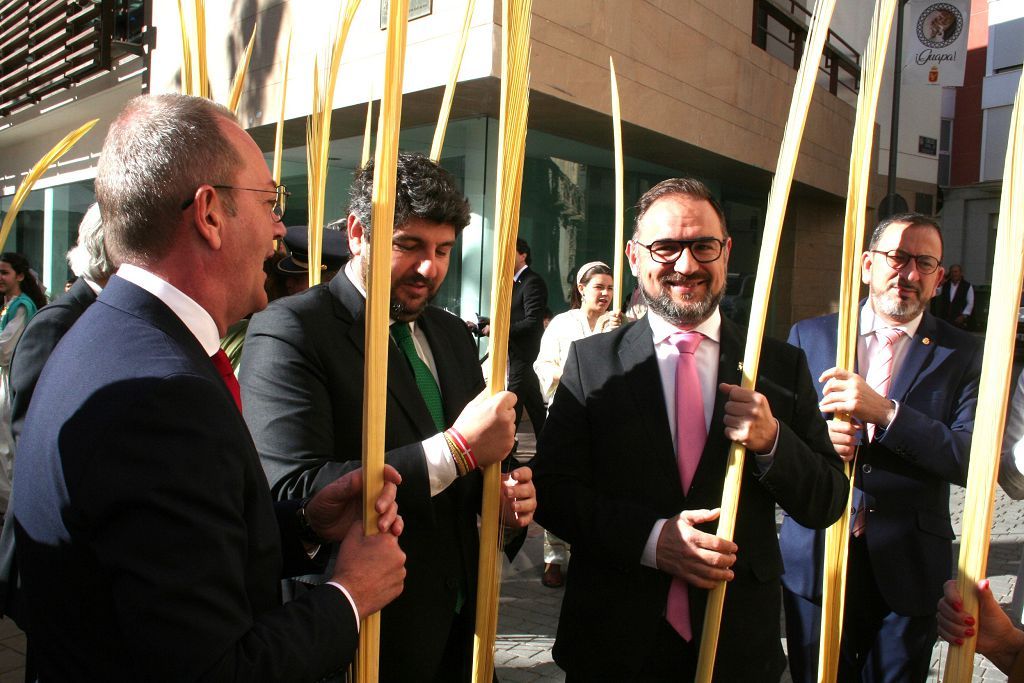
(425, 190)
(29, 285)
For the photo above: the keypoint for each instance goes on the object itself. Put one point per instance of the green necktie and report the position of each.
(424, 379)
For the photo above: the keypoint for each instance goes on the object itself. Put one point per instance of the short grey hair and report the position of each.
(157, 152)
(88, 258)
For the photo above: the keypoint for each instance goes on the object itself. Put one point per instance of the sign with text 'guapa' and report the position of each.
(935, 41)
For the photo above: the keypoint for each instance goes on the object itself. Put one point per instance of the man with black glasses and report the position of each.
(912, 401)
(631, 464)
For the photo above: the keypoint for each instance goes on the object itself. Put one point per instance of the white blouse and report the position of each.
(562, 331)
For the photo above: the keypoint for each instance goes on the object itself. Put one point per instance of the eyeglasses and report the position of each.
(898, 259)
(279, 202)
(703, 249)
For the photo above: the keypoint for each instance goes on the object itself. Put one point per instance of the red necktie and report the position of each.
(227, 373)
(691, 434)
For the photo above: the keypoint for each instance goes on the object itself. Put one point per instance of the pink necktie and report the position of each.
(879, 378)
(223, 365)
(691, 434)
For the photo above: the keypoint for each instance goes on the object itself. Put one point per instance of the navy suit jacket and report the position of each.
(147, 539)
(906, 471)
(606, 471)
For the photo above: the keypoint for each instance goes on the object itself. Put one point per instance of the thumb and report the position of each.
(693, 517)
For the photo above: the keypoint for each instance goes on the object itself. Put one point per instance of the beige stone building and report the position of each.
(705, 89)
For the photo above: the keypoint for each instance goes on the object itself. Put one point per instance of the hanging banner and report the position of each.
(935, 41)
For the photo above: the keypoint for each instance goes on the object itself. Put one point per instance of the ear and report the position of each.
(356, 235)
(21, 277)
(581, 287)
(726, 250)
(208, 216)
(632, 254)
(866, 260)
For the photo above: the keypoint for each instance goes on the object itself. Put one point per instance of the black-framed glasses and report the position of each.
(277, 209)
(703, 249)
(898, 259)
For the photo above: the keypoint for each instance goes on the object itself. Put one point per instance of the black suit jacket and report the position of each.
(526, 323)
(37, 342)
(606, 471)
(302, 392)
(906, 471)
(147, 539)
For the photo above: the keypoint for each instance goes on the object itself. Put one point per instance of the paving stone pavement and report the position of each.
(529, 611)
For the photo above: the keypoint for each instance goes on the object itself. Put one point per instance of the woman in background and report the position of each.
(588, 314)
(22, 298)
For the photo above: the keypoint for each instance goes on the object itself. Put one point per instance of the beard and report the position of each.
(403, 310)
(693, 310)
(896, 308)
(406, 311)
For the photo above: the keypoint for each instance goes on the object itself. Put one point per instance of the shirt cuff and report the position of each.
(764, 460)
(440, 464)
(351, 602)
(650, 556)
(879, 429)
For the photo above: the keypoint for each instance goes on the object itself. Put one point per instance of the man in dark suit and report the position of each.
(529, 299)
(955, 301)
(148, 543)
(913, 401)
(302, 382)
(88, 260)
(632, 462)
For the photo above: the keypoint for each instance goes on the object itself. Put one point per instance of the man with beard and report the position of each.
(631, 464)
(912, 401)
(302, 387)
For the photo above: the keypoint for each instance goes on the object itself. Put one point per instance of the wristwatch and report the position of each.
(306, 532)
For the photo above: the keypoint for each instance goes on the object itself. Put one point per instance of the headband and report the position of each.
(585, 267)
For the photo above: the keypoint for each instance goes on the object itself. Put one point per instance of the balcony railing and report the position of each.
(780, 28)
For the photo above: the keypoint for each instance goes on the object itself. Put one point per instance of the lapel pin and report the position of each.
(926, 341)
(739, 366)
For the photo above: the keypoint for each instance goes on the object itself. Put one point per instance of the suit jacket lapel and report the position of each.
(922, 346)
(640, 368)
(401, 382)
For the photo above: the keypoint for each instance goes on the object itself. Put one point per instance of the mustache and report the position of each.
(907, 284)
(417, 279)
(680, 279)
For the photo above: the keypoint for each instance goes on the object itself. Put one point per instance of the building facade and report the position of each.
(705, 89)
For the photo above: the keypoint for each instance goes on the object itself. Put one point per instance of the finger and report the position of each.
(392, 475)
(386, 518)
(522, 474)
(505, 400)
(839, 373)
(694, 517)
(707, 577)
(397, 526)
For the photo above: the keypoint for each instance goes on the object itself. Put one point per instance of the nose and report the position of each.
(427, 268)
(686, 264)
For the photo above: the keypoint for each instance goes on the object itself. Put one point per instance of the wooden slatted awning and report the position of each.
(50, 45)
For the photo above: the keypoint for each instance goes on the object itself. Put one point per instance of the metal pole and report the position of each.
(894, 123)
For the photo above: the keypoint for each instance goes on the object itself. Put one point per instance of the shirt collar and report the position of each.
(869, 322)
(194, 316)
(663, 329)
(518, 273)
(353, 277)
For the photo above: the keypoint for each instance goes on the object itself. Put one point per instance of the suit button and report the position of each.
(866, 468)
